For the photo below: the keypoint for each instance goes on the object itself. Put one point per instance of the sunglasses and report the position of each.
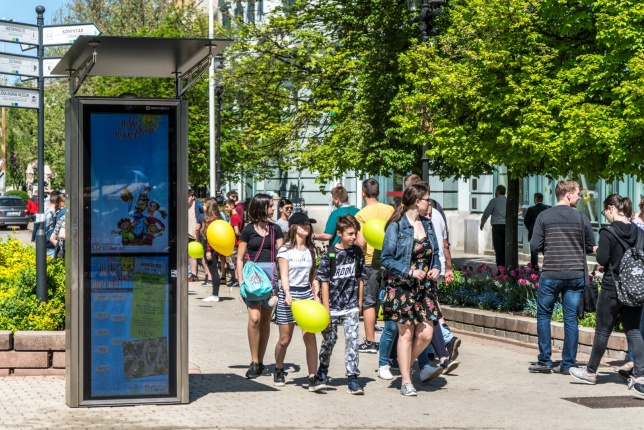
(287, 208)
(428, 200)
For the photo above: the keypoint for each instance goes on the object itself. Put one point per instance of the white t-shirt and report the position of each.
(441, 234)
(299, 265)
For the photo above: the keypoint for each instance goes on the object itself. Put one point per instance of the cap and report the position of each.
(300, 218)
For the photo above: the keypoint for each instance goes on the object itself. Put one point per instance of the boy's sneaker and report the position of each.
(427, 373)
(580, 374)
(254, 370)
(279, 377)
(207, 283)
(407, 389)
(625, 375)
(323, 375)
(211, 299)
(637, 385)
(368, 347)
(354, 387)
(448, 366)
(452, 348)
(233, 283)
(316, 384)
(385, 373)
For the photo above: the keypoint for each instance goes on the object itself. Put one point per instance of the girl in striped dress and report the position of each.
(296, 261)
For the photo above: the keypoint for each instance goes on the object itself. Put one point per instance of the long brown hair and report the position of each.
(411, 194)
(290, 240)
(211, 213)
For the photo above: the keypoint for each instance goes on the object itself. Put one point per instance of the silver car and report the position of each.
(13, 211)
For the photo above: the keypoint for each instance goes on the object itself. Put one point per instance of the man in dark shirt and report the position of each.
(528, 221)
(565, 236)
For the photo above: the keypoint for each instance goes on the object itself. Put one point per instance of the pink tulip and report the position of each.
(534, 277)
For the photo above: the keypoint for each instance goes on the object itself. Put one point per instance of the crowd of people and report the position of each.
(352, 279)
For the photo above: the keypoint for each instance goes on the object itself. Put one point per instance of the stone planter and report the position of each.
(31, 353)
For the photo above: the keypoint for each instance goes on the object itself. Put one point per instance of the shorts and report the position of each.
(284, 314)
(371, 287)
(263, 303)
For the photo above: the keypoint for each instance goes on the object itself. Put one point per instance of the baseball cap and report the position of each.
(300, 218)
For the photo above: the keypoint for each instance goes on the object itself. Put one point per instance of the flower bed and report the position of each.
(513, 291)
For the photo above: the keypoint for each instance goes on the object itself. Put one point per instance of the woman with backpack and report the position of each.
(613, 243)
(258, 243)
(296, 260)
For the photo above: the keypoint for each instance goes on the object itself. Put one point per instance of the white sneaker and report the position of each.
(385, 373)
(427, 373)
(211, 299)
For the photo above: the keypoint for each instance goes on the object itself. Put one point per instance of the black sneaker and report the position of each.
(368, 347)
(323, 375)
(625, 375)
(378, 328)
(355, 387)
(279, 377)
(637, 385)
(452, 348)
(558, 369)
(316, 384)
(539, 368)
(448, 366)
(233, 283)
(393, 364)
(254, 370)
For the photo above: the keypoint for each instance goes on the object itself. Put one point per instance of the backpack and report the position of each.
(630, 282)
(49, 228)
(256, 286)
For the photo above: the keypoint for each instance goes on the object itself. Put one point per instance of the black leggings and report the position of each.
(607, 309)
(212, 266)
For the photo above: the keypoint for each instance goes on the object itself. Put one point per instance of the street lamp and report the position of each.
(429, 10)
(219, 91)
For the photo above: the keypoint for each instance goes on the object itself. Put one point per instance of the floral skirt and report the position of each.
(410, 305)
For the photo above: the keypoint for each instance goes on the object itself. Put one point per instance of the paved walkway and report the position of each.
(490, 389)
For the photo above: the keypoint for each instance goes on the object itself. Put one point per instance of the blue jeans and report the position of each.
(547, 293)
(387, 338)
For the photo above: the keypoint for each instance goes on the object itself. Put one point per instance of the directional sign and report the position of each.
(19, 97)
(67, 34)
(18, 65)
(19, 33)
(48, 65)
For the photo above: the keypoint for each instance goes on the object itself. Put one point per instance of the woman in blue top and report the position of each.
(410, 258)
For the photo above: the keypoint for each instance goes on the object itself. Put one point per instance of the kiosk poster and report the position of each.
(129, 326)
(129, 182)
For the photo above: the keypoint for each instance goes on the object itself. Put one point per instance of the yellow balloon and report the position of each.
(374, 232)
(221, 237)
(310, 315)
(195, 249)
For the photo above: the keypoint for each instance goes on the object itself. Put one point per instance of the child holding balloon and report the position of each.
(296, 261)
(341, 274)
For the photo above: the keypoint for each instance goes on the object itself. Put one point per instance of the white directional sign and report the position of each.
(48, 65)
(18, 65)
(67, 34)
(19, 97)
(19, 33)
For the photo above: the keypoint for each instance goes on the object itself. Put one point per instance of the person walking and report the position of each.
(496, 209)
(565, 236)
(373, 209)
(32, 208)
(615, 240)
(296, 261)
(412, 266)
(340, 199)
(210, 259)
(528, 221)
(235, 222)
(258, 241)
(285, 208)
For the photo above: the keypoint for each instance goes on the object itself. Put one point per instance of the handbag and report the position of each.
(588, 300)
(256, 285)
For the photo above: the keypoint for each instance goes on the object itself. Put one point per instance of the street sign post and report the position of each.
(67, 34)
(17, 32)
(18, 65)
(19, 97)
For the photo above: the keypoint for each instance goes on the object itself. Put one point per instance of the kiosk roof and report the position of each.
(145, 57)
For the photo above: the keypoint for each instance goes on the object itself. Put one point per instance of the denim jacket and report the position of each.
(398, 246)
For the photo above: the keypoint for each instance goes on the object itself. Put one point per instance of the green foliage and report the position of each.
(20, 193)
(19, 306)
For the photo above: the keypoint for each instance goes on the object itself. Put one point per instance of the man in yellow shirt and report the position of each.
(372, 209)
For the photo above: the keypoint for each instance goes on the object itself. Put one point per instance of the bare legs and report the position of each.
(412, 340)
(259, 329)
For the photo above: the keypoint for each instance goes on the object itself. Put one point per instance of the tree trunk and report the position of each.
(512, 224)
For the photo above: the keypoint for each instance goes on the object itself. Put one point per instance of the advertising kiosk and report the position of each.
(126, 245)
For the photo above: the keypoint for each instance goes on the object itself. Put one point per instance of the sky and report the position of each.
(25, 10)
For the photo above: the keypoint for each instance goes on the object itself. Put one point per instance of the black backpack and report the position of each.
(630, 282)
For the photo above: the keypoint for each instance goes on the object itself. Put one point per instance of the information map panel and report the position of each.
(130, 298)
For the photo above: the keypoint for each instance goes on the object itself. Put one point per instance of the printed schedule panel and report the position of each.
(130, 297)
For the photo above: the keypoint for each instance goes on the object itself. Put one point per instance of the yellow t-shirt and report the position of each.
(379, 210)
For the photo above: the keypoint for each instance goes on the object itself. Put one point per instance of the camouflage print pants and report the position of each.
(351, 325)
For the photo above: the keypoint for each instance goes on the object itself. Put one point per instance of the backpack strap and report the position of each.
(330, 250)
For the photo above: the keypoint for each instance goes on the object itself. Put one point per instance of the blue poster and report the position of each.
(129, 182)
(129, 358)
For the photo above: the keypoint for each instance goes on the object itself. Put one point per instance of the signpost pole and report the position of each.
(41, 251)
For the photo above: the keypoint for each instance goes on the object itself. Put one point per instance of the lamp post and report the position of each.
(219, 91)
(429, 10)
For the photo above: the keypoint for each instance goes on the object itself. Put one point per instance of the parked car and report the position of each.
(13, 211)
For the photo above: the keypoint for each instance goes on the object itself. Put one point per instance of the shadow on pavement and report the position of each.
(203, 384)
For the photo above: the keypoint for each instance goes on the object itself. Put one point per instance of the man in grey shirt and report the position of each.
(496, 208)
